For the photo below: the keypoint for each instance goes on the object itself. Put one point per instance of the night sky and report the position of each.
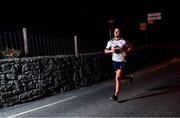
(89, 18)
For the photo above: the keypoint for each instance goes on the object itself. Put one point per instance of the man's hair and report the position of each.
(117, 28)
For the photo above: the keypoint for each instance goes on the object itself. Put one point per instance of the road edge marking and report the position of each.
(31, 110)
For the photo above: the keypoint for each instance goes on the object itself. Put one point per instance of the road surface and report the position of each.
(155, 93)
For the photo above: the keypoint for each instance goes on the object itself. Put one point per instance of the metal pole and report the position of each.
(1, 42)
(25, 41)
(111, 21)
(146, 36)
(11, 40)
(5, 37)
(110, 34)
(75, 46)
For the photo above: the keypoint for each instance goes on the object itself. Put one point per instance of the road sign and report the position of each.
(154, 16)
(150, 21)
(143, 26)
(111, 21)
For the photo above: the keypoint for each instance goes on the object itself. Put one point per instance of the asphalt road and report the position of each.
(155, 93)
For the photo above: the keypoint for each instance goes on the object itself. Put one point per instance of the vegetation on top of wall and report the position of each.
(9, 53)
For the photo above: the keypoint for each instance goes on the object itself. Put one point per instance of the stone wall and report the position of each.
(28, 79)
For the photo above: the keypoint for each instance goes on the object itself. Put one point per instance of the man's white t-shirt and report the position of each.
(118, 57)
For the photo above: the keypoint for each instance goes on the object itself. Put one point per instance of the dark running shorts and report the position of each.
(118, 65)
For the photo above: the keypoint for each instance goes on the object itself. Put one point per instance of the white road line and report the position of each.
(165, 64)
(41, 107)
(159, 67)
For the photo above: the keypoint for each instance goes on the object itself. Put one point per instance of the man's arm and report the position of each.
(108, 48)
(128, 49)
(107, 51)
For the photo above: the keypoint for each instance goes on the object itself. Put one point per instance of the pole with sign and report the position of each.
(151, 18)
(111, 21)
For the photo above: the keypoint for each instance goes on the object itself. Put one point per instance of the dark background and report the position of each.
(89, 18)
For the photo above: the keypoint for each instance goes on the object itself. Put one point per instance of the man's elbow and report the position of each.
(105, 51)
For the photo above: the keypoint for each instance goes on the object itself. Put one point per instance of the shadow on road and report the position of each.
(161, 90)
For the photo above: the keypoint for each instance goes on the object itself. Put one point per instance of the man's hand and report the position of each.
(113, 50)
(124, 54)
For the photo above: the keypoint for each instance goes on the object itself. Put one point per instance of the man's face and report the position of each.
(117, 33)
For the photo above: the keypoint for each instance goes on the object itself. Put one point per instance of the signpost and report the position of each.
(151, 18)
(111, 21)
